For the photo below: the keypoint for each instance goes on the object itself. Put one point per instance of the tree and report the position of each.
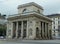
(2, 30)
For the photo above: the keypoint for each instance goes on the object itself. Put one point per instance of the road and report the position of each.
(30, 42)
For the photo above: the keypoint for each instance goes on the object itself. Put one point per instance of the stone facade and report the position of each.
(30, 23)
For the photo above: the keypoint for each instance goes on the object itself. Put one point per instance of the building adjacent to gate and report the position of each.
(55, 25)
(29, 23)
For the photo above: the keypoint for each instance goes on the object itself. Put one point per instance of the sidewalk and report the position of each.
(34, 41)
(31, 41)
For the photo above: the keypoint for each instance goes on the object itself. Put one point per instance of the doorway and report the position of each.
(37, 32)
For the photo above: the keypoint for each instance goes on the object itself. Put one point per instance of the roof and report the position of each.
(30, 15)
(52, 15)
(29, 4)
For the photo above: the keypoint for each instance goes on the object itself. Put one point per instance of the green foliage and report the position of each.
(2, 30)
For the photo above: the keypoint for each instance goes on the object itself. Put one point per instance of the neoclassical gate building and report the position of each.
(29, 23)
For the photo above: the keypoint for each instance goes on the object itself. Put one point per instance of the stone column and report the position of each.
(27, 30)
(16, 29)
(12, 30)
(41, 28)
(45, 31)
(22, 30)
(49, 29)
(9, 30)
(42, 31)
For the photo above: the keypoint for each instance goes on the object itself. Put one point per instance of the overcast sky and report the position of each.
(9, 7)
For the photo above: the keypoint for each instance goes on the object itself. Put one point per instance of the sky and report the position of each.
(9, 7)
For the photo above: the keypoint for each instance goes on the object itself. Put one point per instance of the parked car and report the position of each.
(1, 37)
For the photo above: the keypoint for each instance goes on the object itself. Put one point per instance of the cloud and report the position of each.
(51, 7)
(10, 6)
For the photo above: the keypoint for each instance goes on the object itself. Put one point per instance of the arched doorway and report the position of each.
(37, 32)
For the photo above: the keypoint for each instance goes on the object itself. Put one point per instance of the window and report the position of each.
(54, 27)
(54, 33)
(38, 11)
(24, 10)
